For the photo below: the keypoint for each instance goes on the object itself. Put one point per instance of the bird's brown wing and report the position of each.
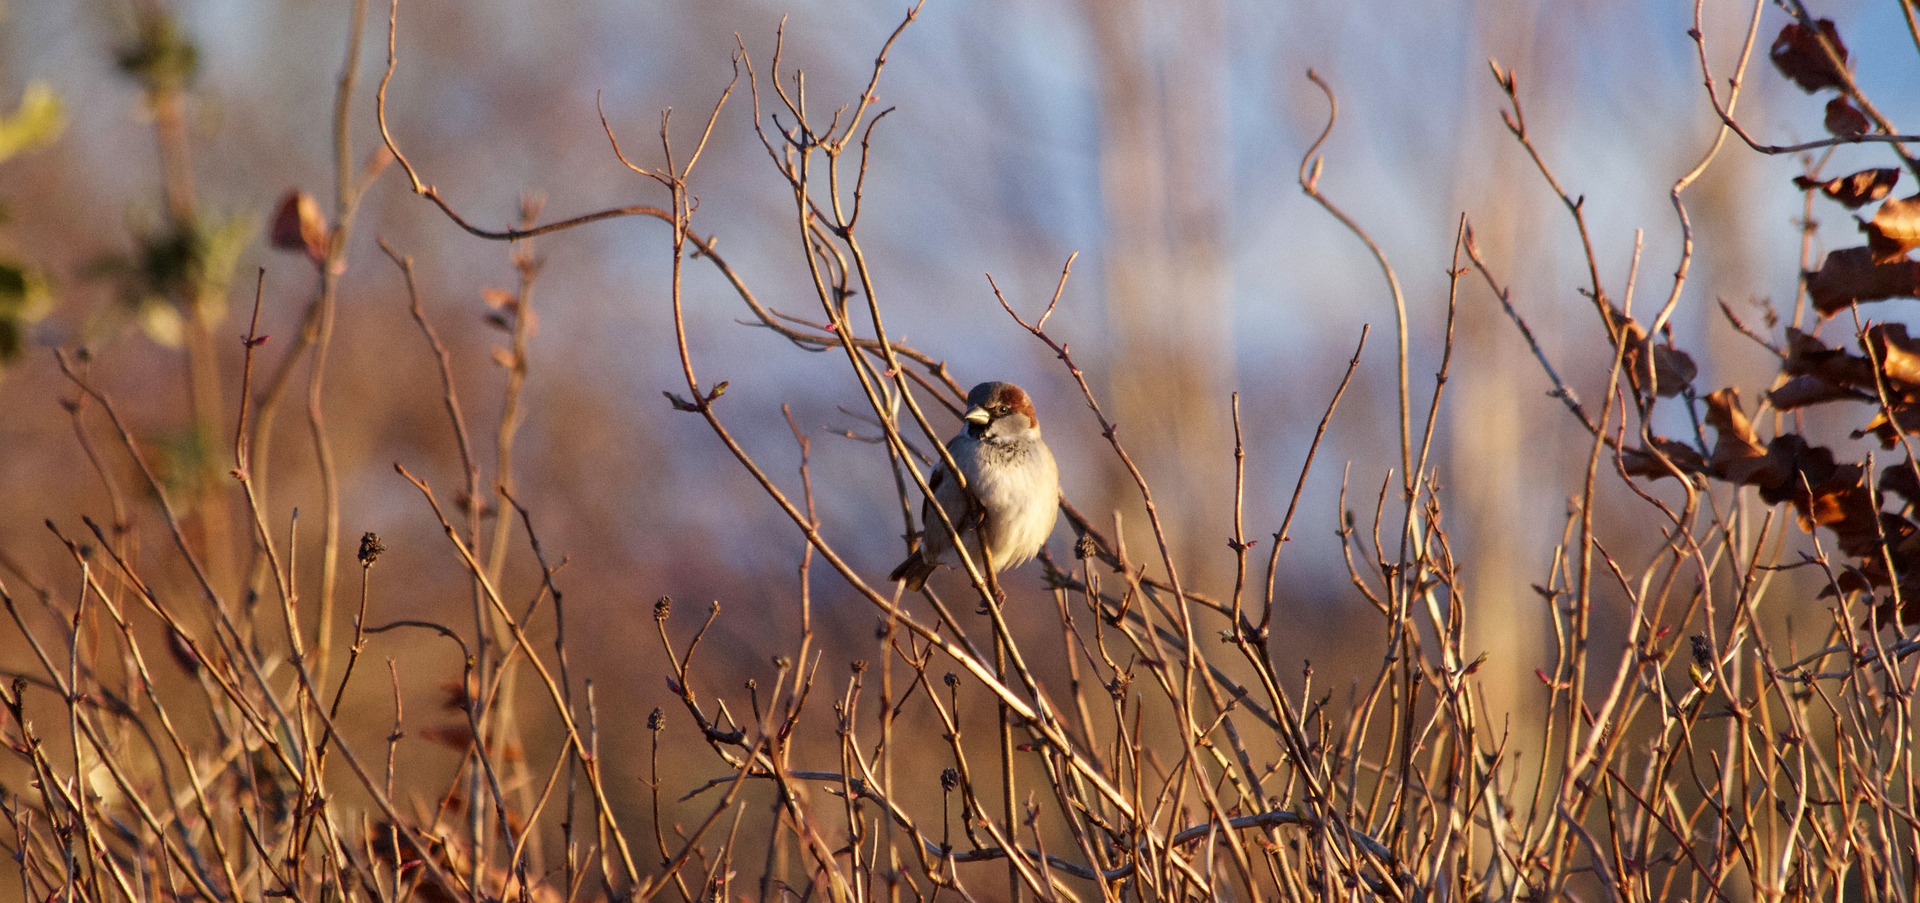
(934, 540)
(961, 505)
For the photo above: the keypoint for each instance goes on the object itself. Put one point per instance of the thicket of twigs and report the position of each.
(177, 728)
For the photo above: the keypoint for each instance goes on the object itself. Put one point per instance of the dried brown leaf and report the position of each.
(1887, 427)
(1901, 480)
(453, 696)
(1899, 616)
(1737, 455)
(1808, 356)
(1797, 53)
(1850, 275)
(1897, 352)
(1802, 347)
(298, 225)
(1855, 189)
(1760, 470)
(1845, 506)
(1725, 416)
(1675, 369)
(1802, 391)
(1894, 230)
(1857, 580)
(1902, 549)
(450, 736)
(1668, 369)
(1644, 462)
(1902, 538)
(1797, 466)
(1843, 120)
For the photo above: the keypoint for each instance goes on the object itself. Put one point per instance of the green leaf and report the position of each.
(37, 123)
(23, 293)
(225, 241)
(24, 299)
(184, 457)
(161, 57)
(162, 323)
(12, 341)
(179, 274)
(155, 316)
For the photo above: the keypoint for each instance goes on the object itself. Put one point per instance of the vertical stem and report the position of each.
(1007, 791)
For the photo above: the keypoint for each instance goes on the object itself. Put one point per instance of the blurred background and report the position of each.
(1160, 142)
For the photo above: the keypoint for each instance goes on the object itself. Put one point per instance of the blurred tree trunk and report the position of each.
(1164, 178)
(1502, 459)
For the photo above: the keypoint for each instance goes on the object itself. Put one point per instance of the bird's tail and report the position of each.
(915, 571)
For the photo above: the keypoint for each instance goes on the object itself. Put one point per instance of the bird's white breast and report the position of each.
(1018, 486)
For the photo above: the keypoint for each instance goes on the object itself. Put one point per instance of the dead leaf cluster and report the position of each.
(1658, 368)
(1815, 59)
(1841, 497)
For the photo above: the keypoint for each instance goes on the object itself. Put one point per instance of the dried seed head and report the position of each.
(949, 779)
(370, 548)
(662, 607)
(656, 720)
(1702, 650)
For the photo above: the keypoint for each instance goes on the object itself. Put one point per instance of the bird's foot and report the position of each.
(999, 599)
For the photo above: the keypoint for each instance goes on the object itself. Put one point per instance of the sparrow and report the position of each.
(1012, 492)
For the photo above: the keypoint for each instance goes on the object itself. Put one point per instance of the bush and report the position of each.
(193, 714)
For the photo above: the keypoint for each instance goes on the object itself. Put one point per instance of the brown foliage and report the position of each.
(1113, 726)
(298, 225)
(1843, 120)
(1856, 189)
(1852, 275)
(1894, 229)
(1798, 53)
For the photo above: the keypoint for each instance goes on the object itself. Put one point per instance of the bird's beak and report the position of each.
(977, 415)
